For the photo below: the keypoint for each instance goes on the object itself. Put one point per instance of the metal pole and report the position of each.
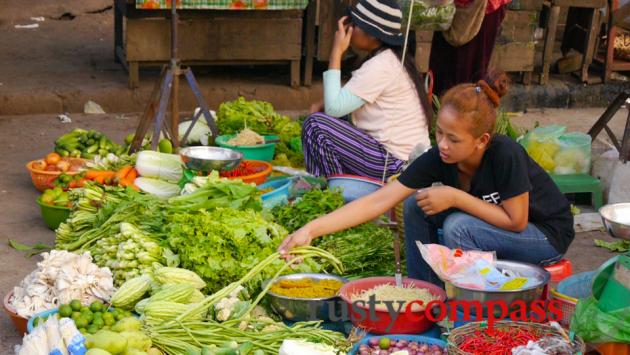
(175, 71)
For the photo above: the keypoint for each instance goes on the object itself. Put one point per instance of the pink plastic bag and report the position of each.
(451, 264)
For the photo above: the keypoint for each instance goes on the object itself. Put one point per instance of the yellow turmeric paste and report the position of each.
(306, 288)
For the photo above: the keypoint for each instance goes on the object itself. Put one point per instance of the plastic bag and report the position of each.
(574, 156)
(429, 15)
(596, 326)
(450, 263)
(558, 152)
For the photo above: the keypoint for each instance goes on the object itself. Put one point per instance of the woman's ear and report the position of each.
(484, 140)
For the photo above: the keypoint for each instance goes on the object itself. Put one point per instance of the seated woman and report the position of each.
(491, 196)
(387, 100)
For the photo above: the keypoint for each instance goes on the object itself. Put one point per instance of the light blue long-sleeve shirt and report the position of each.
(338, 101)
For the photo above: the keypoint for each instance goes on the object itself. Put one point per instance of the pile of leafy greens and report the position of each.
(312, 205)
(260, 116)
(222, 245)
(365, 250)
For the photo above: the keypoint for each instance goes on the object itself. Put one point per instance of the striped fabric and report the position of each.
(379, 18)
(224, 4)
(333, 146)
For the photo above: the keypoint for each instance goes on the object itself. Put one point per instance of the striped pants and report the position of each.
(333, 146)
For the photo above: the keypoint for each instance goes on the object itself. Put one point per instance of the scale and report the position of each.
(168, 87)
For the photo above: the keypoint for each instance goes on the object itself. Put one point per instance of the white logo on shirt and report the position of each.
(492, 198)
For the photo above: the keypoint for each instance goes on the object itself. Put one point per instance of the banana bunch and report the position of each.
(85, 144)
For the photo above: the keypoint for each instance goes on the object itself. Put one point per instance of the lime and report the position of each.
(92, 329)
(109, 321)
(120, 316)
(82, 322)
(83, 330)
(98, 322)
(76, 305)
(106, 327)
(87, 315)
(165, 146)
(384, 343)
(98, 315)
(65, 310)
(109, 315)
(96, 306)
(85, 308)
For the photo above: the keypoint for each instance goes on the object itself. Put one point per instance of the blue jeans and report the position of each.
(461, 230)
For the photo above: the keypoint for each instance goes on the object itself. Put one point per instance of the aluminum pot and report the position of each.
(616, 219)
(305, 309)
(528, 295)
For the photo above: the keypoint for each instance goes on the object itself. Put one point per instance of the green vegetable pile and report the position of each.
(128, 254)
(312, 205)
(259, 116)
(86, 144)
(365, 250)
(224, 244)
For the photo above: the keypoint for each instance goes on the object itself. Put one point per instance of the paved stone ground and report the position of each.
(25, 138)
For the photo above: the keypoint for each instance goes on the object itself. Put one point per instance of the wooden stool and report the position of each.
(581, 183)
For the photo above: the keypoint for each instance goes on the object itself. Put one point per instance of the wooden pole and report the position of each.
(176, 73)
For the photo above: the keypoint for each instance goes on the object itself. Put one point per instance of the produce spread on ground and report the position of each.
(152, 257)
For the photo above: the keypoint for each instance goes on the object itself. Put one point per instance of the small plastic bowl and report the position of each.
(53, 215)
(280, 193)
(19, 321)
(263, 170)
(353, 187)
(410, 338)
(48, 313)
(263, 152)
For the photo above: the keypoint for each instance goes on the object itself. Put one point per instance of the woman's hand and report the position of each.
(434, 200)
(343, 35)
(301, 237)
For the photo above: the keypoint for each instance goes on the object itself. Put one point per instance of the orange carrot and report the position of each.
(120, 174)
(133, 174)
(94, 174)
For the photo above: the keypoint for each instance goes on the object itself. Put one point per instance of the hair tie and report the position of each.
(490, 92)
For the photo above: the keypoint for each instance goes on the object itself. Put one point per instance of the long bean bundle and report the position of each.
(182, 333)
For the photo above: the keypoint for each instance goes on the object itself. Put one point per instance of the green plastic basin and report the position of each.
(53, 215)
(262, 152)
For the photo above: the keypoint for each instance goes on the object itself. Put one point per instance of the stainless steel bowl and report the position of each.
(306, 309)
(616, 219)
(210, 158)
(528, 295)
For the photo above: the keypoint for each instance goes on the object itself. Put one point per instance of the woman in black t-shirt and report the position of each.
(480, 189)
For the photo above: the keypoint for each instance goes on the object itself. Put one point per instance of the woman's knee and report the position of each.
(457, 226)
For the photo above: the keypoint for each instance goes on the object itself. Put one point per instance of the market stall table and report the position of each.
(211, 33)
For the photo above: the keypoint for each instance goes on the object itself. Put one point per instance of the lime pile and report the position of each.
(89, 319)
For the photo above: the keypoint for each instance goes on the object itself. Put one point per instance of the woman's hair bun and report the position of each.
(499, 82)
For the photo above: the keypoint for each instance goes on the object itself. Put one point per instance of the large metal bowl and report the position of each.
(616, 219)
(528, 295)
(305, 309)
(210, 158)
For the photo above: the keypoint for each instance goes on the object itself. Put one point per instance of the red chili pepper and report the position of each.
(497, 341)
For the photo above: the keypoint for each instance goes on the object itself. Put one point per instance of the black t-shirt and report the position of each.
(506, 171)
